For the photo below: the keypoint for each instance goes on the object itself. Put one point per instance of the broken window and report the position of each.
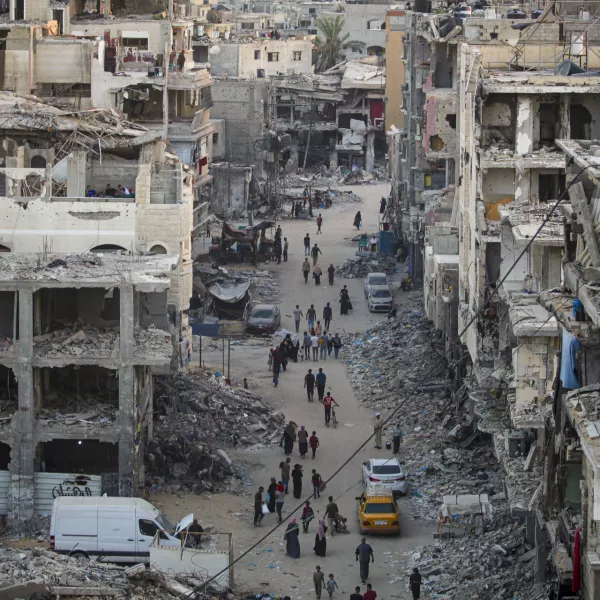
(549, 122)
(9, 397)
(215, 138)
(77, 456)
(312, 11)
(76, 322)
(141, 43)
(376, 24)
(76, 395)
(297, 55)
(273, 56)
(8, 321)
(551, 186)
(4, 456)
(257, 55)
(581, 122)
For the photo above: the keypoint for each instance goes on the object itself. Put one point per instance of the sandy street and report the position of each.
(267, 568)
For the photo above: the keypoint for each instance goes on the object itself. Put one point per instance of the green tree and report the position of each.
(331, 44)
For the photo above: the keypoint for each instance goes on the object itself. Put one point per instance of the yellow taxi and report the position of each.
(378, 512)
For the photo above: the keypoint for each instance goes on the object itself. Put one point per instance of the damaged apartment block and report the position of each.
(81, 336)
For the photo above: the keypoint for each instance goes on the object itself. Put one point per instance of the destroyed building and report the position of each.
(500, 116)
(57, 168)
(334, 118)
(81, 335)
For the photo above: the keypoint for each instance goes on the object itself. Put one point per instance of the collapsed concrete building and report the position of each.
(500, 114)
(80, 336)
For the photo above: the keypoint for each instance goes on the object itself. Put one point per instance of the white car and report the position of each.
(384, 474)
(374, 279)
(380, 299)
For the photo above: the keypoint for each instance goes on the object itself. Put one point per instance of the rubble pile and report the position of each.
(360, 267)
(493, 566)
(78, 340)
(264, 285)
(402, 360)
(79, 412)
(196, 418)
(324, 177)
(40, 573)
(152, 343)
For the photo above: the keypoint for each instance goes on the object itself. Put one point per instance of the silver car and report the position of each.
(380, 299)
(374, 280)
(384, 474)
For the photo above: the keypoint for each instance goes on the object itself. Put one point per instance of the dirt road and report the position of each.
(267, 568)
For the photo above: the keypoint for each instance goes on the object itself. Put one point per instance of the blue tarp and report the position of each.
(568, 365)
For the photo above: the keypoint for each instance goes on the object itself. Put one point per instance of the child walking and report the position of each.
(331, 585)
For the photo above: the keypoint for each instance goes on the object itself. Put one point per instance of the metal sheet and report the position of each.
(49, 486)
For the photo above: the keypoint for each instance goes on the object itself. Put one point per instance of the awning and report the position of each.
(229, 293)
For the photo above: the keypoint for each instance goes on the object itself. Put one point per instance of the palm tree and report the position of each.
(331, 43)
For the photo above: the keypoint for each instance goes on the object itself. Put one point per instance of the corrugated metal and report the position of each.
(49, 486)
(4, 485)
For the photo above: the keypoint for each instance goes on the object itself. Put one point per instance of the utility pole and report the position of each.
(229, 175)
(308, 139)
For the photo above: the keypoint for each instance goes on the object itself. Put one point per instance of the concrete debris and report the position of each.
(56, 575)
(362, 266)
(493, 566)
(323, 177)
(387, 362)
(85, 413)
(197, 418)
(78, 340)
(264, 286)
(86, 340)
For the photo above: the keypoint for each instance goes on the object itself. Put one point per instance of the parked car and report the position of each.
(380, 299)
(384, 474)
(374, 279)
(378, 512)
(110, 529)
(263, 318)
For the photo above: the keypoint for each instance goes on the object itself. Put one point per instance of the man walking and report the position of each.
(279, 499)
(397, 438)
(285, 249)
(327, 315)
(307, 245)
(370, 594)
(311, 315)
(314, 342)
(323, 345)
(306, 345)
(297, 316)
(364, 555)
(337, 344)
(316, 483)
(331, 273)
(378, 427)
(319, 223)
(305, 269)
(328, 402)
(331, 512)
(318, 580)
(415, 584)
(309, 384)
(258, 502)
(321, 378)
(357, 595)
(313, 442)
(315, 254)
(286, 467)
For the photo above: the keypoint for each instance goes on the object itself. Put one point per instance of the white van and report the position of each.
(110, 529)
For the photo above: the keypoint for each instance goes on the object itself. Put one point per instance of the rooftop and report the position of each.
(585, 154)
(526, 219)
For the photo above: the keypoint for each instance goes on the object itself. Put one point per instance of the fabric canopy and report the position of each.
(229, 293)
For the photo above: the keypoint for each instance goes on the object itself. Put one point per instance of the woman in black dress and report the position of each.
(297, 481)
(271, 491)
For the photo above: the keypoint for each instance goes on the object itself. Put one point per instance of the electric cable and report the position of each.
(408, 394)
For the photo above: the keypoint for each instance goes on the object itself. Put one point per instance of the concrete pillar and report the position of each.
(522, 186)
(127, 485)
(143, 183)
(525, 118)
(76, 175)
(565, 117)
(293, 158)
(370, 152)
(333, 159)
(20, 494)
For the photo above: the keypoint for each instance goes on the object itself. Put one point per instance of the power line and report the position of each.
(403, 401)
